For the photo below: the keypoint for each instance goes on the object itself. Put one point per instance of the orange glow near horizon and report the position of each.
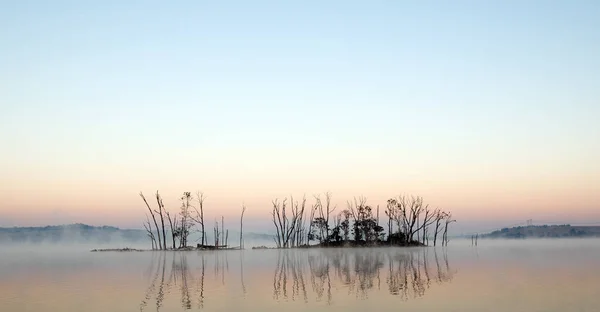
(471, 197)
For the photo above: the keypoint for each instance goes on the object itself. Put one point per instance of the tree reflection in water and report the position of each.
(408, 272)
(180, 280)
(300, 275)
(289, 267)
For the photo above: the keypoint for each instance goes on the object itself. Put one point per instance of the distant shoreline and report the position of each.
(544, 231)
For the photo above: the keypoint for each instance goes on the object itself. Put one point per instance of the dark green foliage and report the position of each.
(319, 228)
(336, 235)
(396, 238)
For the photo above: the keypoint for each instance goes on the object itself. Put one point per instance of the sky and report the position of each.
(488, 109)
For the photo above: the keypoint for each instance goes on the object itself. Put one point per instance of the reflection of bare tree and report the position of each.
(289, 265)
(408, 272)
(444, 273)
(180, 269)
(221, 265)
(341, 264)
(201, 285)
(319, 276)
(180, 278)
(366, 267)
(409, 275)
(242, 271)
(356, 270)
(152, 287)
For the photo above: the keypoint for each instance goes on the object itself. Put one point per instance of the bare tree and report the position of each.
(278, 210)
(439, 216)
(413, 217)
(173, 224)
(298, 230)
(148, 228)
(154, 219)
(287, 226)
(447, 222)
(216, 233)
(295, 224)
(242, 227)
(428, 220)
(160, 212)
(199, 217)
(406, 211)
(223, 231)
(390, 212)
(415, 207)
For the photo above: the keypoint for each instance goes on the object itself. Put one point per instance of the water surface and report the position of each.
(561, 275)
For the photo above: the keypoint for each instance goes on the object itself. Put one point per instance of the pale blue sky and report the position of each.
(128, 87)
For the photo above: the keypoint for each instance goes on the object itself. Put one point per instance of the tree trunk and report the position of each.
(222, 229)
(153, 218)
(242, 228)
(162, 219)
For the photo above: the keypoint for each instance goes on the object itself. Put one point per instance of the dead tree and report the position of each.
(148, 228)
(300, 229)
(287, 226)
(222, 230)
(428, 220)
(407, 212)
(415, 208)
(173, 224)
(216, 233)
(398, 212)
(199, 217)
(161, 210)
(390, 212)
(439, 217)
(297, 225)
(447, 222)
(278, 210)
(153, 218)
(242, 227)
(310, 222)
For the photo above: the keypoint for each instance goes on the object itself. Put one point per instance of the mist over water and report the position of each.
(497, 275)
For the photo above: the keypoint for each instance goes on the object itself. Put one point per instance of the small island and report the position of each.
(409, 222)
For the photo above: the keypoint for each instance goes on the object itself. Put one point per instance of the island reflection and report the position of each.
(298, 275)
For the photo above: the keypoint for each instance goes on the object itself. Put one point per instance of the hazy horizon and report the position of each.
(488, 110)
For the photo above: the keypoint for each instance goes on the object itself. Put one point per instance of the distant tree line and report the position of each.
(549, 231)
(409, 222)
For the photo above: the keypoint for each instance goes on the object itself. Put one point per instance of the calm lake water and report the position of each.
(562, 275)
